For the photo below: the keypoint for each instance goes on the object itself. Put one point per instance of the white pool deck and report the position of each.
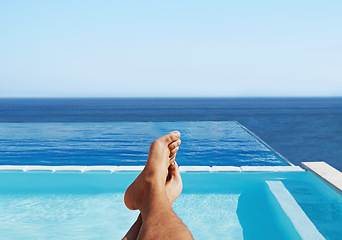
(326, 172)
(26, 168)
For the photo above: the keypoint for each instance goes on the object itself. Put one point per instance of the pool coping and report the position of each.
(326, 172)
(111, 169)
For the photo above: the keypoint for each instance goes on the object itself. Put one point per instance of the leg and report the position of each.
(133, 232)
(173, 187)
(148, 194)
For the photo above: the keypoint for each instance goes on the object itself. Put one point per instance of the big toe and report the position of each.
(171, 137)
(164, 141)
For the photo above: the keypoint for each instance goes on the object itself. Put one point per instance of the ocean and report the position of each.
(301, 129)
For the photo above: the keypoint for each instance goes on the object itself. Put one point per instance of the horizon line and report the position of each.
(140, 97)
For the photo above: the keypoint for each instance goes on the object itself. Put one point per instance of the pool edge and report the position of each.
(27, 168)
(325, 172)
(265, 144)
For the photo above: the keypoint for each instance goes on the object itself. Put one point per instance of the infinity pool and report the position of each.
(127, 143)
(227, 193)
(221, 205)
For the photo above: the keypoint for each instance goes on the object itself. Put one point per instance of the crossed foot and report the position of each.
(161, 172)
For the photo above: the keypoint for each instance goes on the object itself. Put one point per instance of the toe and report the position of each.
(175, 170)
(172, 169)
(172, 158)
(171, 137)
(175, 144)
(166, 140)
(174, 151)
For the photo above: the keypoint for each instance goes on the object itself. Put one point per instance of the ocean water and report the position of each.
(301, 129)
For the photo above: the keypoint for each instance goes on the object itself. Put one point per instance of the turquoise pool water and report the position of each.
(73, 205)
(214, 205)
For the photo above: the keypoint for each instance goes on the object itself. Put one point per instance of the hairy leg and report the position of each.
(133, 232)
(148, 194)
(173, 187)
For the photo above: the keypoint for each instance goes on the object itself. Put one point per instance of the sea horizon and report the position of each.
(182, 97)
(301, 129)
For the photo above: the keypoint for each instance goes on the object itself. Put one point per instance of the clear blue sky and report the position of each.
(170, 48)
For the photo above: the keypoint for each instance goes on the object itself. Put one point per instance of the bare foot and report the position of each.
(173, 188)
(156, 169)
(174, 185)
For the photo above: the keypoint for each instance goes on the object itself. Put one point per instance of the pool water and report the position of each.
(127, 143)
(221, 205)
(37, 204)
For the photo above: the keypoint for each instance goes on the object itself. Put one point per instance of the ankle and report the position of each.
(153, 176)
(153, 184)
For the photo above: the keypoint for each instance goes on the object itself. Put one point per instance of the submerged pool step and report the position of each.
(27, 168)
(303, 225)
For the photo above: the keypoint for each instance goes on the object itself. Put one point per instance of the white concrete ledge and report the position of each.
(257, 169)
(194, 169)
(101, 168)
(13, 167)
(129, 168)
(225, 169)
(39, 168)
(288, 169)
(69, 168)
(27, 168)
(325, 171)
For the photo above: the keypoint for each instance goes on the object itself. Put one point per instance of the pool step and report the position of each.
(303, 225)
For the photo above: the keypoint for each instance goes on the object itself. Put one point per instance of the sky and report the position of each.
(179, 48)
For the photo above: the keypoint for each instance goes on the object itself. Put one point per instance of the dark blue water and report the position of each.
(127, 143)
(301, 129)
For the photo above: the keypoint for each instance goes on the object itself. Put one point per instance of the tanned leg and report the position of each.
(148, 194)
(174, 186)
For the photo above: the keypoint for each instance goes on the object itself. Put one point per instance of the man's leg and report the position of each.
(133, 232)
(173, 187)
(159, 221)
(148, 194)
